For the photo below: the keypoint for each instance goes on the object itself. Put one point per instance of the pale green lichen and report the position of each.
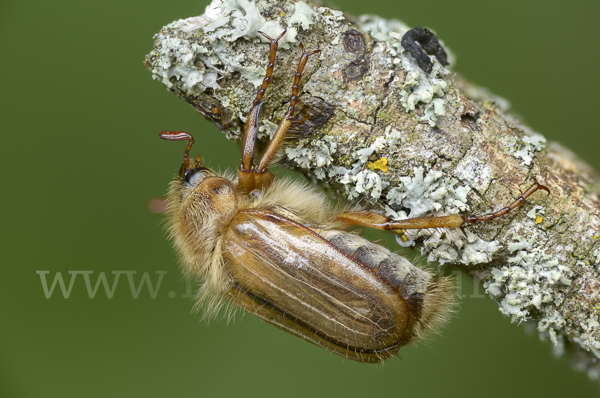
(536, 214)
(303, 15)
(538, 141)
(475, 169)
(528, 282)
(331, 17)
(379, 28)
(176, 60)
(317, 155)
(418, 86)
(531, 143)
(245, 19)
(228, 21)
(423, 194)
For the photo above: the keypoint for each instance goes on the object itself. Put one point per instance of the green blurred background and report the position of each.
(80, 159)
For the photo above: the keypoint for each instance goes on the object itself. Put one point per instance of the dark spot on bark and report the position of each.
(354, 42)
(430, 44)
(311, 117)
(207, 106)
(355, 70)
(212, 111)
(469, 121)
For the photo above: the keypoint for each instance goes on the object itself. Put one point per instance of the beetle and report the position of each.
(277, 249)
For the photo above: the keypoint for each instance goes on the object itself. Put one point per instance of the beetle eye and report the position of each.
(193, 176)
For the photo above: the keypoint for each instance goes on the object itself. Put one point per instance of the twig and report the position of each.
(380, 129)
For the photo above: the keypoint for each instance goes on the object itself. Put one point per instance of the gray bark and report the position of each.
(375, 127)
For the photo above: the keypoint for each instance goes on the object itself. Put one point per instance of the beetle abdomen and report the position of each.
(409, 281)
(429, 298)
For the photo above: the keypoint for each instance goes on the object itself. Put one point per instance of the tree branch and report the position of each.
(378, 128)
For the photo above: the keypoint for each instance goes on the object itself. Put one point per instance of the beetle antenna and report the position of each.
(181, 136)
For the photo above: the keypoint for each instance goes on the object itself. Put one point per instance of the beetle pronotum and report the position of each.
(276, 249)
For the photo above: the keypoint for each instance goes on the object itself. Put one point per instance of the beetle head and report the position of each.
(199, 200)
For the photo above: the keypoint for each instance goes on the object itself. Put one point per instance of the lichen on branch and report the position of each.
(380, 129)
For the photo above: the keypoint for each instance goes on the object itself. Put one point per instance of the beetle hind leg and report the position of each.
(377, 221)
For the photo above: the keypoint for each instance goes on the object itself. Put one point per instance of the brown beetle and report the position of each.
(276, 249)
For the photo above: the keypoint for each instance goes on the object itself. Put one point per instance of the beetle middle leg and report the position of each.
(378, 221)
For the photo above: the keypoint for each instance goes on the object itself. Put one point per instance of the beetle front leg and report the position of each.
(246, 175)
(286, 121)
(262, 176)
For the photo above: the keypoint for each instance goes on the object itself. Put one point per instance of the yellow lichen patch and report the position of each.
(380, 164)
(538, 219)
(401, 233)
(596, 237)
(283, 14)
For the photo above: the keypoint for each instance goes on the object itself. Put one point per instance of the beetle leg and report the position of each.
(490, 216)
(245, 172)
(264, 176)
(287, 118)
(377, 221)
